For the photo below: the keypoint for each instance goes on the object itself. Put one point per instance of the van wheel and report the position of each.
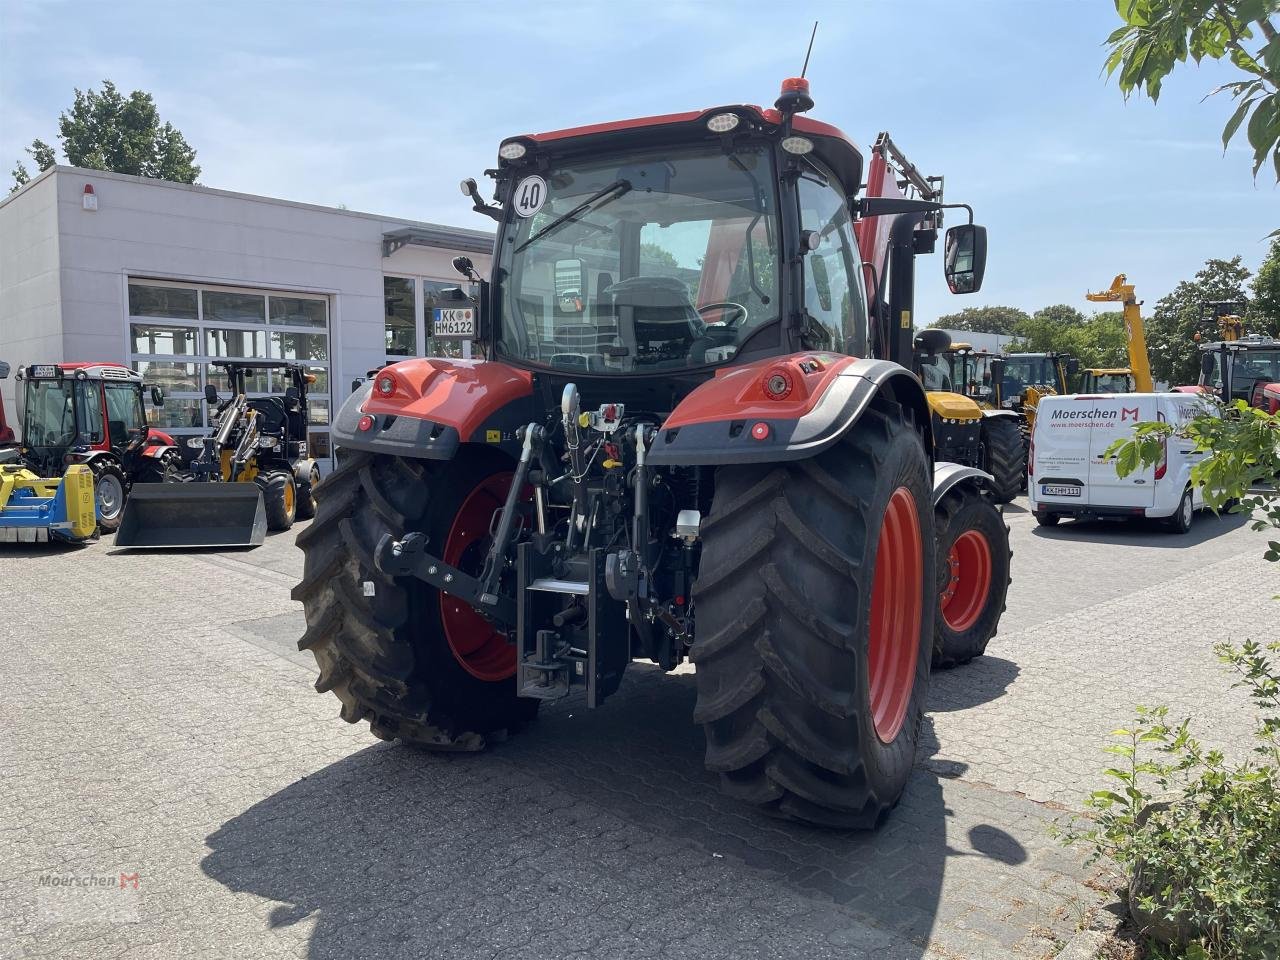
(1182, 518)
(1047, 519)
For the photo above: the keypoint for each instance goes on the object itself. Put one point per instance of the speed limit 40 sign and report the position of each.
(454, 323)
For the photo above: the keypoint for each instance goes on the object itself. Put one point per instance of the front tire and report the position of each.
(814, 631)
(1005, 456)
(973, 575)
(280, 497)
(381, 643)
(109, 492)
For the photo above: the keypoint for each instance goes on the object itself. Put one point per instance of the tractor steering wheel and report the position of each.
(739, 312)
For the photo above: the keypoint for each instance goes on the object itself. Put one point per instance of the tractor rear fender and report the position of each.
(947, 476)
(1000, 413)
(816, 399)
(435, 405)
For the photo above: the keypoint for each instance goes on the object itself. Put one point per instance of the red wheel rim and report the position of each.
(478, 647)
(969, 581)
(896, 595)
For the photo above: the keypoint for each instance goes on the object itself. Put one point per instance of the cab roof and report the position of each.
(831, 145)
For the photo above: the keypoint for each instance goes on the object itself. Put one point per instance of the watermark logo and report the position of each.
(63, 898)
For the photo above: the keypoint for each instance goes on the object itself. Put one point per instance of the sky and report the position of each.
(384, 106)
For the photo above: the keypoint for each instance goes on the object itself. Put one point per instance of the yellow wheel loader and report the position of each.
(253, 473)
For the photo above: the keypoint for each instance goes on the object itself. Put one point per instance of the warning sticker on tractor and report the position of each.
(529, 196)
(493, 436)
(458, 323)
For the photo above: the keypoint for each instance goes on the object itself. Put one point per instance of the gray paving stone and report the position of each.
(186, 744)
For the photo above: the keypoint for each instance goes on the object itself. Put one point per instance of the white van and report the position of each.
(1068, 476)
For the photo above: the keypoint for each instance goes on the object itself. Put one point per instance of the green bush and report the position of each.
(1198, 837)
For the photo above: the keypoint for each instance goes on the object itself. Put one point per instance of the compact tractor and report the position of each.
(966, 427)
(697, 435)
(252, 474)
(93, 414)
(35, 509)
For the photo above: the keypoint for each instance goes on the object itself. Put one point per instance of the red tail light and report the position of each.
(1031, 457)
(1163, 465)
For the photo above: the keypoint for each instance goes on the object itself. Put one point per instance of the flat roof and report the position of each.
(472, 239)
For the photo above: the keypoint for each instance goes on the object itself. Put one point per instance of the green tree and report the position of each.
(1265, 308)
(996, 319)
(1157, 35)
(107, 131)
(1175, 321)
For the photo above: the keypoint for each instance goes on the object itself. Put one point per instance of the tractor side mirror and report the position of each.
(965, 258)
(210, 394)
(997, 370)
(157, 396)
(1073, 366)
(1207, 363)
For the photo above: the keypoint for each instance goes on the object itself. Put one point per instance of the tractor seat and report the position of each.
(657, 320)
(272, 413)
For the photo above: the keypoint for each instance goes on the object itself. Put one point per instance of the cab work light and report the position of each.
(512, 151)
(723, 122)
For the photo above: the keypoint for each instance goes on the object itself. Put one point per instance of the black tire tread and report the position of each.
(777, 715)
(951, 649)
(366, 647)
(1006, 456)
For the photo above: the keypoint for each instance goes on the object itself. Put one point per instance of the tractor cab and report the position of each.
(1107, 380)
(1028, 376)
(1245, 369)
(72, 411)
(641, 258)
(8, 439)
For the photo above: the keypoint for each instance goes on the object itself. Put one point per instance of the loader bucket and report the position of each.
(176, 515)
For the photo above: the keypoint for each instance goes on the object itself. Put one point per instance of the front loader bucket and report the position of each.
(175, 515)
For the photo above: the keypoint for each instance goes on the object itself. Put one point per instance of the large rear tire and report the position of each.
(1005, 456)
(814, 633)
(381, 643)
(973, 575)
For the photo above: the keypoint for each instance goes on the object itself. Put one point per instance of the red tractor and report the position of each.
(696, 435)
(93, 414)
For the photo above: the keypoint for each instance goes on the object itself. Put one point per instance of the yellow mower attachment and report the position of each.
(36, 510)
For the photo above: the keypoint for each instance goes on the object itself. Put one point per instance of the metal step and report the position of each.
(552, 585)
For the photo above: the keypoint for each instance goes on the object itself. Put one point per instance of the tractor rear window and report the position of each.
(642, 262)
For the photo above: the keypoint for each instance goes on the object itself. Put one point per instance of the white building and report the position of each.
(167, 277)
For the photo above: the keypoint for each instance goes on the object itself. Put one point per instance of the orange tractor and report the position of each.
(697, 435)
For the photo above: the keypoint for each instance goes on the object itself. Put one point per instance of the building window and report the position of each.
(170, 341)
(177, 329)
(224, 307)
(299, 312)
(177, 303)
(401, 322)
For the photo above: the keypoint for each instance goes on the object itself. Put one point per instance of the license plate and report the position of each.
(458, 323)
(43, 371)
(1059, 490)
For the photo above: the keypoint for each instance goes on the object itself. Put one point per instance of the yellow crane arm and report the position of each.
(1121, 291)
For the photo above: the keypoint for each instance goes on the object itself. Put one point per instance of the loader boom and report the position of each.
(1121, 291)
